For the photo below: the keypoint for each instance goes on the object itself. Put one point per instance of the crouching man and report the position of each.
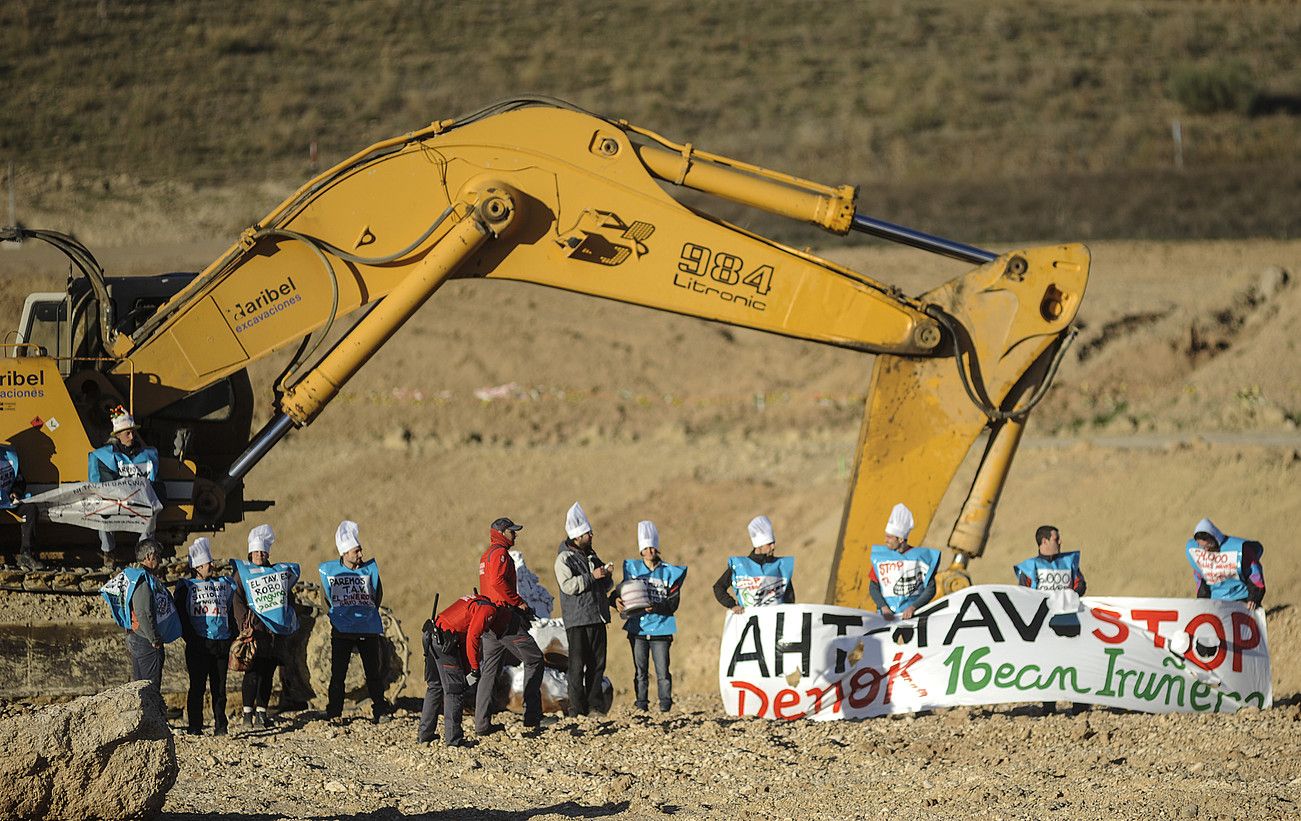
(453, 649)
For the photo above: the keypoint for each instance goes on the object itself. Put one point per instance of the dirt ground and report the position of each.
(1181, 399)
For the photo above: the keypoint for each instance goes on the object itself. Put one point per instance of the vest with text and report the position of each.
(351, 596)
(207, 606)
(1057, 573)
(662, 582)
(267, 590)
(118, 591)
(903, 575)
(759, 585)
(1220, 569)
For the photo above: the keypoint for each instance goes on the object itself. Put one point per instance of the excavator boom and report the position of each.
(541, 192)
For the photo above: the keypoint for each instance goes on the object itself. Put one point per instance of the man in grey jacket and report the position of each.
(584, 582)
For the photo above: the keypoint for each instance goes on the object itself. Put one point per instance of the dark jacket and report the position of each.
(583, 597)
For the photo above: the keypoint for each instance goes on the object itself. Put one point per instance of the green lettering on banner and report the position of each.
(954, 663)
(974, 663)
(975, 675)
(1113, 655)
(1199, 689)
(1061, 674)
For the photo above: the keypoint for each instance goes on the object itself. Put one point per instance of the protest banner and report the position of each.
(120, 505)
(995, 644)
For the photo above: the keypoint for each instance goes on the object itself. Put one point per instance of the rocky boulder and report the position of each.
(104, 756)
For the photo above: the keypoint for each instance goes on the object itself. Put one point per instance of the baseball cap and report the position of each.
(503, 524)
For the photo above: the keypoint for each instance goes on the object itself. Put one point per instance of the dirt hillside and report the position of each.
(1179, 400)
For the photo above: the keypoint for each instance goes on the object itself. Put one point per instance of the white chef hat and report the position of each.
(647, 535)
(346, 537)
(760, 528)
(576, 523)
(200, 551)
(261, 538)
(901, 522)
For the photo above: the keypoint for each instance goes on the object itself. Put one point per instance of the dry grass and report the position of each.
(937, 101)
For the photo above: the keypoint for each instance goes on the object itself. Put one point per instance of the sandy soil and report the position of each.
(1181, 399)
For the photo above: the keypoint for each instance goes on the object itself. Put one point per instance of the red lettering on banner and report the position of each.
(1243, 641)
(1113, 618)
(1154, 618)
(1218, 627)
(747, 687)
(785, 698)
(901, 672)
(856, 699)
(816, 693)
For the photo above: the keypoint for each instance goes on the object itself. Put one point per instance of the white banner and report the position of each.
(995, 644)
(121, 505)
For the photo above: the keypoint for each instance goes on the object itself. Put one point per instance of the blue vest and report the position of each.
(267, 591)
(8, 475)
(759, 585)
(903, 576)
(207, 606)
(1222, 570)
(118, 591)
(661, 580)
(1057, 573)
(107, 463)
(350, 594)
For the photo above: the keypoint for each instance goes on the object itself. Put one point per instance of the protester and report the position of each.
(206, 605)
(354, 594)
(13, 490)
(1226, 567)
(761, 578)
(265, 609)
(124, 457)
(452, 642)
(902, 576)
(141, 605)
(585, 583)
(650, 631)
(1051, 569)
(497, 582)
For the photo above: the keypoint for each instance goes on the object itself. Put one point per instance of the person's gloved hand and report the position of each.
(472, 677)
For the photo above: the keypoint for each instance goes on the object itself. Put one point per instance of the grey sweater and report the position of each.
(142, 612)
(583, 597)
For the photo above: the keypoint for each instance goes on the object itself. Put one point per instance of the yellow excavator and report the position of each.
(533, 190)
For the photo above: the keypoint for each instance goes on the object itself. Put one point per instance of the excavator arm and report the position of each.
(541, 192)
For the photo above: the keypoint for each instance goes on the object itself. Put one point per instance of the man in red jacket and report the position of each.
(452, 643)
(497, 583)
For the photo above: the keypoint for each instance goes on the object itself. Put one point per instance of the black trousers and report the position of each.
(28, 532)
(206, 661)
(368, 647)
(146, 660)
(445, 690)
(643, 649)
(261, 674)
(586, 667)
(519, 644)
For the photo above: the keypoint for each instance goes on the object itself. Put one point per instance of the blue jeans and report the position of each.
(643, 648)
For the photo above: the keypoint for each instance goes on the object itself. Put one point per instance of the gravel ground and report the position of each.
(695, 762)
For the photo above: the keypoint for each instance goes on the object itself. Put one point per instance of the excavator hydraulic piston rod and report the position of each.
(266, 439)
(919, 239)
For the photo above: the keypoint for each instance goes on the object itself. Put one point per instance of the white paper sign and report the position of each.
(995, 644)
(121, 505)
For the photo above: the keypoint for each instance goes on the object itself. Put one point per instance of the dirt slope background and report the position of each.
(1180, 400)
(639, 414)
